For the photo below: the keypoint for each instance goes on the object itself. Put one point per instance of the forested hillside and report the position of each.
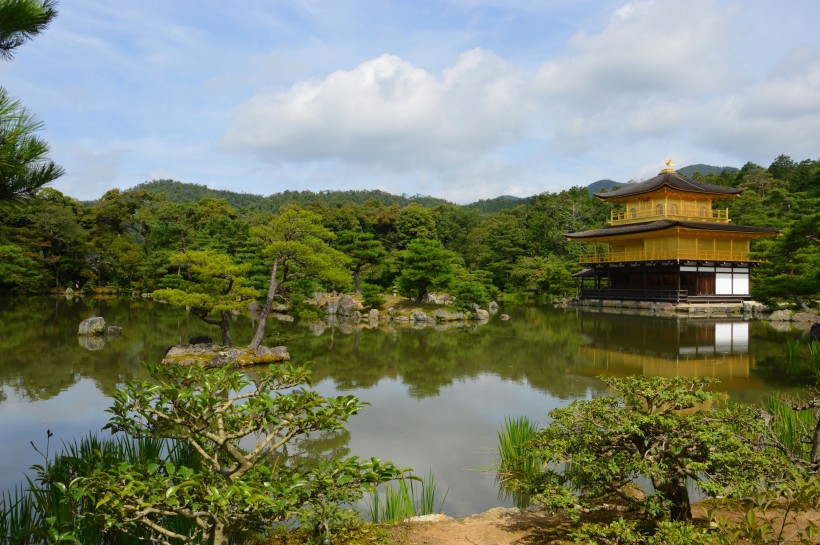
(132, 240)
(179, 192)
(705, 170)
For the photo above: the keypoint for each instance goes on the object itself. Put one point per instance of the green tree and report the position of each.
(297, 247)
(240, 489)
(24, 165)
(548, 274)
(426, 265)
(553, 214)
(17, 270)
(363, 249)
(21, 20)
(495, 245)
(413, 221)
(216, 285)
(654, 428)
(792, 263)
(471, 287)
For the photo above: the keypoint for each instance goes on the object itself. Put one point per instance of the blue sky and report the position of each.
(460, 99)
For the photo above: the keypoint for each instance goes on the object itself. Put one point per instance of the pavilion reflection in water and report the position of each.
(628, 345)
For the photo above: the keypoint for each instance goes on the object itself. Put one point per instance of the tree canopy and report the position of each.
(127, 238)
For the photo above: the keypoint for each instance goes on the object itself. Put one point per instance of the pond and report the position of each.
(437, 397)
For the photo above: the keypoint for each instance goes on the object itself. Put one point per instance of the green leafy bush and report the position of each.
(238, 490)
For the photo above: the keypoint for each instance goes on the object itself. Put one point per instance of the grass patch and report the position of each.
(411, 497)
(517, 463)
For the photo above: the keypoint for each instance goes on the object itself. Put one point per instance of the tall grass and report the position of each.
(515, 456)
(411, 497)
(42, 510)
(790, 427)
(792, 349)
(814, 351)
(517, 461)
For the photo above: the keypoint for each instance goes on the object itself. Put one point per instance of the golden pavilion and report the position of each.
(667, 243)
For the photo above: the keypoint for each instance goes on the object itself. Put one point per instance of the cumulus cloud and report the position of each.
(387, 112)
(543, 96)
(646, 47)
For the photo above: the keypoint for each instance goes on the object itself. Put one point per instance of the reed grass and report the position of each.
(411, 497)
(790, 427)
(41, 510)
(792, 349)
(814, 351)
(515, 455)
(517, 462)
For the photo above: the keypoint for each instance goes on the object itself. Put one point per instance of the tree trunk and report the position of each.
(674, 490)
(815, 442)
(803, 305)
(263, 316)
(225, 326)
(356, 281)
(218, 534)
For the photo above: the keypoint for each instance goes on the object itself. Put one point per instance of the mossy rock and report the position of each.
(214, 355)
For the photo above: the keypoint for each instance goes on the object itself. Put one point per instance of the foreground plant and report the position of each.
(656, 429)
(238, 489)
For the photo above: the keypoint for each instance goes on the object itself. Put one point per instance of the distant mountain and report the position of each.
(498, 204)
(600, 185)
(181, 192)
(705, 170)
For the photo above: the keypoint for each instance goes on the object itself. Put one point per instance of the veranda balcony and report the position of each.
(624, 217)
(675, 255)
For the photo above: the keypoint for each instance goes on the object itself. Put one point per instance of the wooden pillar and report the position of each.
(677, 295)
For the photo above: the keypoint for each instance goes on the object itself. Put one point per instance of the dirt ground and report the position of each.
(502, 526)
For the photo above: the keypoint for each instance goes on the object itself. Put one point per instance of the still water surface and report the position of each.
(436, 397)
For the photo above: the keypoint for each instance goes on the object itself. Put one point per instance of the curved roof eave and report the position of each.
(673, 180)
(660, 225)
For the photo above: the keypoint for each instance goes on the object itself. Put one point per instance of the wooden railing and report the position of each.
(713, 216)
(676, 296)
(687, 255)
(635, 294)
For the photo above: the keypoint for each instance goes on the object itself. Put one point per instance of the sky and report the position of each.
(457, 99)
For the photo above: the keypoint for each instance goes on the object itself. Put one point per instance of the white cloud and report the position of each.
(647, 47)
(387, 112)
(476, 98)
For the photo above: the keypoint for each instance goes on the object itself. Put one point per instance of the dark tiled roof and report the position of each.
(672, 179)
(660, 225)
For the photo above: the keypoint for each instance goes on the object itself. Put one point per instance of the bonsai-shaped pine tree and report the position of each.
(211, 285)
(235, 488)
(661, 430)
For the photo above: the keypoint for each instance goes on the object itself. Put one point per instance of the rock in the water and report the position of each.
(91, 327)
(91, 342)
(481, 315)
(346, 305)
(373, 315)
(331, 307)
(419, 317)
(442, 315)
(504, 317)
(114, 330)
(214, 355)
(780, 316)
(492, 307)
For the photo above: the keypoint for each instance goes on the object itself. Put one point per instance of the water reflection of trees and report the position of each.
(541, 346)
(42, 357)
(535, 346)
